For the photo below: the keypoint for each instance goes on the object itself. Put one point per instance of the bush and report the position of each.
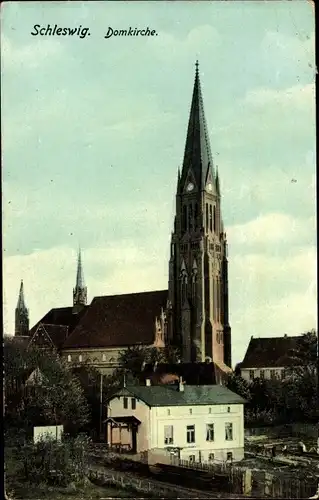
(50, 462)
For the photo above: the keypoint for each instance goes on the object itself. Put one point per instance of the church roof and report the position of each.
(270, 352)
(169, 395)
(60, 316)
(118, 321)
(50, 335)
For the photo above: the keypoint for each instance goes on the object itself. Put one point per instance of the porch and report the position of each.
(121, 433)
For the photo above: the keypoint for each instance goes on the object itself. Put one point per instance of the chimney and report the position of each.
(148, 382)
(181, 385)
(285, 335)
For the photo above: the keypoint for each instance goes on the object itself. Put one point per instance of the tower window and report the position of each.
(196, 216)
(215, 228)
(207, 216)
(194, 279)
(211, 218)
(80, 358)
(69, 358)
(190, 217)
(183, 287)
(184, 219)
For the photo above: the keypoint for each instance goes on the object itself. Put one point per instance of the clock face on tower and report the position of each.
(209, 187)
(190, 187)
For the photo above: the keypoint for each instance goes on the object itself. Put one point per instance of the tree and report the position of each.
(57, 399)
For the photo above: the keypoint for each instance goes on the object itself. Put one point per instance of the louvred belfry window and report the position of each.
(183, 286)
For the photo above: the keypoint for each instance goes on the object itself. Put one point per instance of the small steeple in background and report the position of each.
(80, 290)
(21, 315)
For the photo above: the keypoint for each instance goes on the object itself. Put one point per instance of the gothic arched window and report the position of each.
(194, 283)
(190, 217)
(196, 216)
(207, 216)
(183, 286)
(215, 219)
(210, 218)
(184, 219)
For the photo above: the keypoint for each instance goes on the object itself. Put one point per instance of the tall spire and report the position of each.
(80, 290)
(21, 302)
(21, 315)
(79, 274)
(197, 155)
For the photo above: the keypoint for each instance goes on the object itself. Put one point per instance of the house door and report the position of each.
(134, 440)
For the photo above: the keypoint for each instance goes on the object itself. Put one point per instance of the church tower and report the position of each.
(21, 315)
(80, 290)
(198, 267)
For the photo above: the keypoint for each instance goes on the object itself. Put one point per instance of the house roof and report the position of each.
(169, 395)
(270, 352)
(192, 373)
(118, 321)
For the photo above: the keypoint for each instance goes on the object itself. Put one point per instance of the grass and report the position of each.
(27, 491)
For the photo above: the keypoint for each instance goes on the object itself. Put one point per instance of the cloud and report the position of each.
(272, 229)
(197, 40)
(28, 56)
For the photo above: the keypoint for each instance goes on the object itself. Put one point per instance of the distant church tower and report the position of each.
(80, 290)
(21, 315)
(198, 266)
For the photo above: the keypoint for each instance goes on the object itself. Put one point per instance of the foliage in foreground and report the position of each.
(47, 462)
(55, 398)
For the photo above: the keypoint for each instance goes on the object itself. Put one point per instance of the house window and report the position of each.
(262, 374)
(80, 358)
(69, 358)
(228, 431)
(168, 434)
(190, 434)
(209, 410)
(190, 411)
(272, 374)
(133, 404)
(168, 412)
(211, 457)
(251, 374)
(229, 456)
(228, 409)
(125, 402)
(192, 458)
(210, 432)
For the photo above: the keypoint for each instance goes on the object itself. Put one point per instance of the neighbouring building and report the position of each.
(200, 423)
(269, 358)
(192, 313)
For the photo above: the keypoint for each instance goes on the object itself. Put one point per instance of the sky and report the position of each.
(93, 133)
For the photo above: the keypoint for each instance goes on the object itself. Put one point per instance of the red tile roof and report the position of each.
(270, 352)
(118, 321)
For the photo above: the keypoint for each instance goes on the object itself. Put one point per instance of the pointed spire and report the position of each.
(197, 156)
(80, 290)
(21, 315)
(79, 274)
(21, 302)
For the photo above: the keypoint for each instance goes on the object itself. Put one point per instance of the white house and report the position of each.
(201, 423)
